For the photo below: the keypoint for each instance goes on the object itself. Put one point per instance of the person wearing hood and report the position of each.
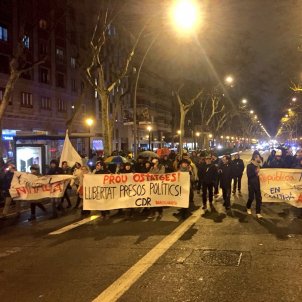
(238, 168)
(270, 158)
(252, 171)
(157, 168)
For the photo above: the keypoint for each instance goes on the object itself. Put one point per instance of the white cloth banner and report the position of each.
(69, 153)
(27, 186)
(136, 190)
(281, 185)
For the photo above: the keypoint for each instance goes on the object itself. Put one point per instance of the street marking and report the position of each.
(74, 225)
(10, 252)
(123, 283)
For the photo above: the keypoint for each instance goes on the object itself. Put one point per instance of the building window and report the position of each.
(73, 85)
(3, 33)
(60, 80)
(72, 62)
(61, 106)
(43, 24)
(25, 41)
(42, 48)
(45, 103)
(2, 90)
(44, 75)
(60, 54)
(26, 100)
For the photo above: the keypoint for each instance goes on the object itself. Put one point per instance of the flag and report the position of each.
(69, 153)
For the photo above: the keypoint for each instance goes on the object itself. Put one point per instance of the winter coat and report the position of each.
(160, 169)
(252, 171)
(226, 175)
(277, 164)
(208, 174)
(55, 171)
(7, 180)
(238, 167)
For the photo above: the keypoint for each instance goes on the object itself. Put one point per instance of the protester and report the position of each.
(216, 162)
(157, 168)
(167, 163)
(80, 190)
(226, 175)
(208, 176)
(67, 171)
(54, 169)
(238, 168)
(140, 165)
(252, 172)
(270, 158)
(6, 183)
(101, 168)
(147, 167)
(277, 162)
(34, 169)
(186, 167)
(76, 181)
(176, 162)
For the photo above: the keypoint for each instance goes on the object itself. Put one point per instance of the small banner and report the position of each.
(27, 186)
(281, 185)
(136, 190)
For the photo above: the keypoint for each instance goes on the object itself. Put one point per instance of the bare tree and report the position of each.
(184, 106)
(96, 72)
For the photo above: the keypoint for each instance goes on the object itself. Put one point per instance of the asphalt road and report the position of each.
(211, 256)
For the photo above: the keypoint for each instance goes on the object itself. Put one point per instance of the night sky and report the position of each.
(257, 41)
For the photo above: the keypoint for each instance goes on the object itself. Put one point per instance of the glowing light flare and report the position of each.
(185, 14)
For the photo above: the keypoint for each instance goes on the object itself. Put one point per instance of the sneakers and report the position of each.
(259, 216)
(249, 211)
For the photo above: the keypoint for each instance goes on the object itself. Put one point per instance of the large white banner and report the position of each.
(281, 185)
(27, 186)
(136, 190)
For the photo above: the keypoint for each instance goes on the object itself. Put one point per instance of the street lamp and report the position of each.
(149, 128)
(244, 101)
(89, 123)
(252, 111)
(229, 80)
(197, 134)
(185, 15)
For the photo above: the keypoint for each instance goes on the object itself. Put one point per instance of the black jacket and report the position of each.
(7, 180)
(208, 174)
(55, 170)
(277, 164)
(238, 167)
(252, 175)
(226, 175)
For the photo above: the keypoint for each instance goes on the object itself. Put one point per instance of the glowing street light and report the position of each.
(294, 99)
(244, 101)
(185, 15)
(252, 112)
(178, 132)
(229, 80)
(197, 134)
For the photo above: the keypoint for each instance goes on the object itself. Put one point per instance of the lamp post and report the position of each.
(184, 16)
(89, 123)
(149, 128)
(197, 134)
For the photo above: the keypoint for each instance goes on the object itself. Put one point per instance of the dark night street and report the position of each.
(217, 256)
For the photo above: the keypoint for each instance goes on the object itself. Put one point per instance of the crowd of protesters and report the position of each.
(208, 174)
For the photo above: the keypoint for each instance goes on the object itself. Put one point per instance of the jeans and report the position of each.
(237, 180)
(254, 192)
(205, 189)
(226, 193)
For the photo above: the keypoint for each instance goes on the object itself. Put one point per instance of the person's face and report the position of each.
(236, 156)
(148, 165)
(98, 167)
(208, 161)
(33, 171)
(127, 167)
(184, 165)
(224, 160)
(64, 165)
